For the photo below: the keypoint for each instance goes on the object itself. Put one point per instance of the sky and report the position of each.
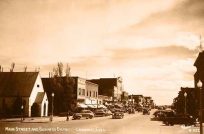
(151, 44)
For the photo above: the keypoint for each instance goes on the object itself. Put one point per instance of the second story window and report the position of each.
(90, 94)
(87, 93)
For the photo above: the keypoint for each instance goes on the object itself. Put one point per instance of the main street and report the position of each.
(130, 124)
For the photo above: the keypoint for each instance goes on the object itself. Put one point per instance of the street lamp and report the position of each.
(51, 118)
(185, 95)
(22, 118)
(199, 85)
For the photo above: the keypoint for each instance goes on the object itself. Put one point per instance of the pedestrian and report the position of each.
(67, 116)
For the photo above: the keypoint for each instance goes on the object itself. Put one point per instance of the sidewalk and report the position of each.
(36, 119)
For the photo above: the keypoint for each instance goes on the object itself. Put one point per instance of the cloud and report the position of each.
(186, 15)
(172, 51)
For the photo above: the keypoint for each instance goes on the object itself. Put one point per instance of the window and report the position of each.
(87, 93)
(79, 91)
(90, 94)
(83, 93)
(96, 94)
(38, 85)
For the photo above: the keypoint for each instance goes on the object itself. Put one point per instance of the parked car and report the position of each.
(113, 110)
(179, 119)
(139, 109)
(146, 111)
(160, 115)
(108, 112)
(83, 114)
(118, 115)
(131, 110)
(99, 112)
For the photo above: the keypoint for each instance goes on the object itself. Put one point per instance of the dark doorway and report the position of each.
(35, 110)
(44, 110)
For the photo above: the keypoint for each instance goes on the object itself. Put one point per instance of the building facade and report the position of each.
(111, 87)
(199, 76)
(91, 94)
(137, 100)
(124, 97)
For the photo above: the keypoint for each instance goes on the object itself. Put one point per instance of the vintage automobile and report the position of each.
(139, 109)
(83, 114)
(99, 112)
(108, 112)
(118, 115)
(131, 110)
(159, 115)
(179, 119)
(146, 111)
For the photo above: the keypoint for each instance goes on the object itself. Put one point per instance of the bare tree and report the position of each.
(12, 67)
(67, 71)
(25, 69)
(60, 69)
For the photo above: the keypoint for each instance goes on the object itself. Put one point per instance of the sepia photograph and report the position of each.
(101, 66)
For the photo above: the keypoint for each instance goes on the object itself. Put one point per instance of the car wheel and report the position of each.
(90, 117)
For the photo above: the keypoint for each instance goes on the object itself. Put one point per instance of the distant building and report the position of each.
(111, 87)
(136, 99)
(22, 92)
(124, 97)
(104, 99)
(147, 100)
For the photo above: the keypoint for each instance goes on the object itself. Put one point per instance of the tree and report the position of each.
(12, 67)
(63, 87)
(179, 102)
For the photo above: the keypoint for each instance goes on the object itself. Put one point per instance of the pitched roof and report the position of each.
(17, 83)
(200, 60)
(39, 97)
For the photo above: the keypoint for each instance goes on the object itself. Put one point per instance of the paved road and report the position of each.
(130, 124)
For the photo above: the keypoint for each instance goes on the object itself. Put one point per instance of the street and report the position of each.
(130, 124)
